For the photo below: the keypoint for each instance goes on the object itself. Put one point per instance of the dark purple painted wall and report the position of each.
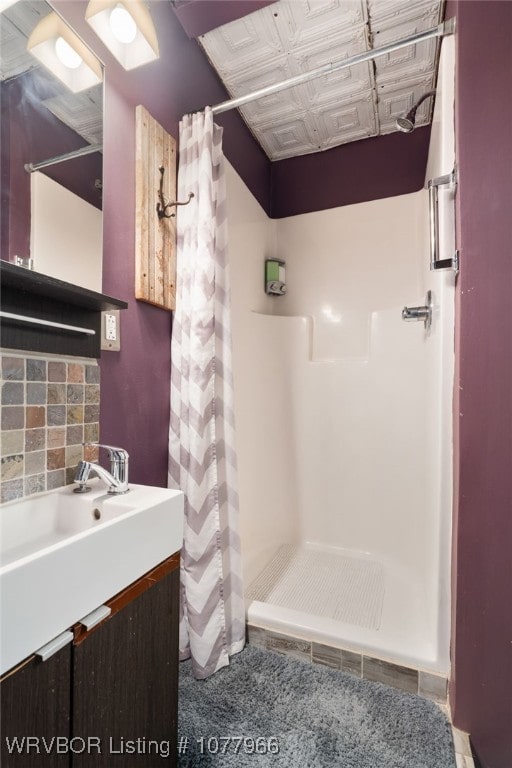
(481, 693)
(370, 169)
(197, 17)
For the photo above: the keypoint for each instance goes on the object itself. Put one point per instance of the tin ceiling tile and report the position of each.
(414, 60)
(304, 21)
(243, 44)
(292, 37)
(289, 137)
(391, 11)
(396, 99)
(349, 121)
(342, 84)
(15, 58)
(83, 112)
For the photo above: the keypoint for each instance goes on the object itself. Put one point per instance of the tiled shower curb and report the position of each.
(409, 679)
(425, 684)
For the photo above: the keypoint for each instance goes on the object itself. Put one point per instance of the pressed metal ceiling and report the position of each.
(290, 37)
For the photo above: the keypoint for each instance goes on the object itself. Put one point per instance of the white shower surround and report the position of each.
(343, 410)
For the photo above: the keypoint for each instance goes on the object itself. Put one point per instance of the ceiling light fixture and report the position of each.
(68, 56)
(62, 52)
(127, 30)
(122, 25)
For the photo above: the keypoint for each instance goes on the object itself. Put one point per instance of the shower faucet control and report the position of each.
(420, 313)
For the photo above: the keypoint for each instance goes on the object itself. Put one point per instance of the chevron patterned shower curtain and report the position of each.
(202, 458)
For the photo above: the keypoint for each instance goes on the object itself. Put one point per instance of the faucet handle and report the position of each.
(118, 461)
(116, 454)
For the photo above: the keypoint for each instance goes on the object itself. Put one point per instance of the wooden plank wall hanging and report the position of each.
(155, 238)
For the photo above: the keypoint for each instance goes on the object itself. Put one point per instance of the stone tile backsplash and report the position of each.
(49, 407)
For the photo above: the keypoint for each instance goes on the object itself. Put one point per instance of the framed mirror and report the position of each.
(51, 198)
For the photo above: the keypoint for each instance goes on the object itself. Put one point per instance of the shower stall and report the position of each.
(344, 420)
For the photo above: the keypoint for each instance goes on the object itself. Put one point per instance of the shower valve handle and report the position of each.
(423, 313)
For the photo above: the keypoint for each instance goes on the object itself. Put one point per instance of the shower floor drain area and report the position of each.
(323, 583)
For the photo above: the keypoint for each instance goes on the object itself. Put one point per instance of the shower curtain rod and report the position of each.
(445, 28)
(88, 150)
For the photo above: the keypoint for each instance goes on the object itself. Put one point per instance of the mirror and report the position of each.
(51, 215)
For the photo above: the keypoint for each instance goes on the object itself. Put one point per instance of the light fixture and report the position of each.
(68, 56)
(127, 30)
(61, 51)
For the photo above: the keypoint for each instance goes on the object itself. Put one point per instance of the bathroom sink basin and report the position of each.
(64, 554)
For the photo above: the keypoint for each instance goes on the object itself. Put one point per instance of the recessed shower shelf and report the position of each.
(343, 339)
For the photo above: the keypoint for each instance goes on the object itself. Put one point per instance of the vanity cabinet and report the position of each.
(113, 692)
(36, 704)
(126, 678)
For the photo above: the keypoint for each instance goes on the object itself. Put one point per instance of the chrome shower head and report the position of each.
(406, 124)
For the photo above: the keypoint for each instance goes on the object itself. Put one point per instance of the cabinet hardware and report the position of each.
(95, 616)
(54, 645)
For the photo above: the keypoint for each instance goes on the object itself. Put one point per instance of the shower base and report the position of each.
(346, 600)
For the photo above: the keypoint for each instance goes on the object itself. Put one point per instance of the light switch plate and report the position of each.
(110, 330)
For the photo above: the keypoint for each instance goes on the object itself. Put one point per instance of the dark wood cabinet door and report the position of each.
(125, 683)
(35, 710)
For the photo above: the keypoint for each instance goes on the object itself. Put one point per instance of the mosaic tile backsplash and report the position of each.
(49, 408)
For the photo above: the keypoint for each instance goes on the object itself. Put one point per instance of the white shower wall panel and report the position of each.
(343, 411)
(266, 472)
(361, 423)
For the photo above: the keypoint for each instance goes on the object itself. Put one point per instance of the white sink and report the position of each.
(64, 554)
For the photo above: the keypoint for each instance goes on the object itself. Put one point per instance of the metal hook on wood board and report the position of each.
(162, 206)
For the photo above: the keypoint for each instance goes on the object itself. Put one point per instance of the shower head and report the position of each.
(406, 124)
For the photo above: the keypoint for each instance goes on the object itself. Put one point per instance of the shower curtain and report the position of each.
(202, 458)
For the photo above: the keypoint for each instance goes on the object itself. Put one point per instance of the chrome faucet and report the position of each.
(116, 479)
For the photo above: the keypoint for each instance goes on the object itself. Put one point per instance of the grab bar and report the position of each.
(433, 199)
(49, 323)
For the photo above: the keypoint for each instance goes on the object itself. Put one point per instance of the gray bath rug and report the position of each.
(270, 710)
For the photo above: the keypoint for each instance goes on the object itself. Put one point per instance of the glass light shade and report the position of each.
(67, 55)
(62, 52)
(130, 53)
(122, 25)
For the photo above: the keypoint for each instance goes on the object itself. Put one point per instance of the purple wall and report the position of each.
(370, 169)
(481, 693)
(197, 17)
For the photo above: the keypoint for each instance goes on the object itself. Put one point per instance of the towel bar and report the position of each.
(47, 323)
